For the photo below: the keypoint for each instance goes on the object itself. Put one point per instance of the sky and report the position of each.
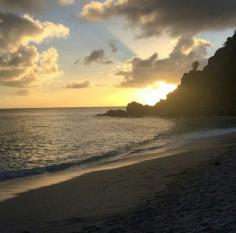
(79, 53)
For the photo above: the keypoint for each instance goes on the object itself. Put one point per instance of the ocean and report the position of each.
(38, 141)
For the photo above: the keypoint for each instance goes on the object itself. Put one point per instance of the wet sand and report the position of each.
(191, 191)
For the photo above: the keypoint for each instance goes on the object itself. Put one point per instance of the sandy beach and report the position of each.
(189, 191)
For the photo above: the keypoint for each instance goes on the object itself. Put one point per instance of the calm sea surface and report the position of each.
(35, 141)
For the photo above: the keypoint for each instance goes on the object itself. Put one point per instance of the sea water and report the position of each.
(38, 141)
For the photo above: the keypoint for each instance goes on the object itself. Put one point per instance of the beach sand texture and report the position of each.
(192, 191)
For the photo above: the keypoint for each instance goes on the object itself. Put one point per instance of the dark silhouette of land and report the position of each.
(210, 92)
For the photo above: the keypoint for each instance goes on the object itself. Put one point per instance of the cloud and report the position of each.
(143, 72)
(175, 17)
(97, 56)
(66, 2)
(16, 31)
(22, 92)
(76, 62)
(21, 63)
(32, 6)
(17, 64)
(28, 65)
(48, 63)
(84, 84)
(22, 82)
(113, 46)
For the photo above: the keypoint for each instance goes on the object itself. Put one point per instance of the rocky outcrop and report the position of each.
(138, 110)
(210, 92)
(115, 113)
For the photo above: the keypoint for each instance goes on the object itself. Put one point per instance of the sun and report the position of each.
(152, 94)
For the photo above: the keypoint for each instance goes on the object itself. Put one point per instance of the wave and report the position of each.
(162, 141)
(209, 133)
(6, 175)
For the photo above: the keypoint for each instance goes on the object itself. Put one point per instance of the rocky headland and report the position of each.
(209, 92)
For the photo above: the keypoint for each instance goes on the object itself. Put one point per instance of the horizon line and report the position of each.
(18, 108)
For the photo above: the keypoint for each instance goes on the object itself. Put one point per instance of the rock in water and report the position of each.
(115, 113)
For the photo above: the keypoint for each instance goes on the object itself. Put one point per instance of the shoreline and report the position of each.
(105, 192)
(13, 187)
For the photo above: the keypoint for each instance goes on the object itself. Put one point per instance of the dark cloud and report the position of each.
(176, 17)
(25, 5)
(107, 62)
(97, 56)
(23, 57)
(77, 61)
(18, 83)
(113, 46)
(81, 85)
(32, 6)
(144, 72)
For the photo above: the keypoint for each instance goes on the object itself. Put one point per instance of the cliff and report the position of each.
(210, 92)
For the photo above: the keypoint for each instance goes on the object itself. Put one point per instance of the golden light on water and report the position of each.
(152, 94)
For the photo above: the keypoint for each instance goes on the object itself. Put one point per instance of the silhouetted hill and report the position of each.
(211, 91)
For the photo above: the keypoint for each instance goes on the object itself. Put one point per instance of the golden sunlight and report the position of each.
(152, 94)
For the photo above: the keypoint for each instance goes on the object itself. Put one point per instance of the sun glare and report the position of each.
(152, 94)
